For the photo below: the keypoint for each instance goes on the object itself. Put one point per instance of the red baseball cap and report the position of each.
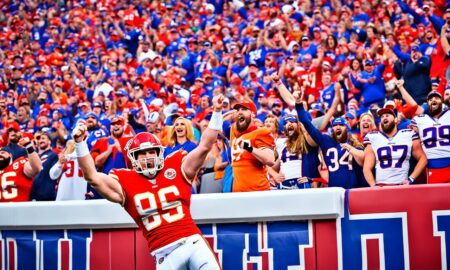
(248, 105)
(117, 119)
(13, 126)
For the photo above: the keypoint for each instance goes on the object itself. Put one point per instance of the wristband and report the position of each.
(411, 180)
(216, 121)
(247, 146)
(30, 148)
(82, 149)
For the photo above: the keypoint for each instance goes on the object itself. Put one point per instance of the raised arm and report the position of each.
(284, 92)
(407, 97)
(34, 165)
(444, 40)
(291, 100)
(336, 101)
(104, 184)
(194, 160)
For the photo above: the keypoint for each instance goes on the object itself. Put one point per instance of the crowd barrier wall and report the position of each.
(378, 228)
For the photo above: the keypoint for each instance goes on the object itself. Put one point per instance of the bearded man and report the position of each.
(342, 154)
(18, 174)
(390, 151)
(252, 150)
(434, 131)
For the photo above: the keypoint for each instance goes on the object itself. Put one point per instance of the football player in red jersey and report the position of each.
(157, 192)
(16, 176)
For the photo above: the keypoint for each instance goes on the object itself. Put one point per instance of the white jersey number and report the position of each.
(9, 189)
(345, 160)
(152, 216)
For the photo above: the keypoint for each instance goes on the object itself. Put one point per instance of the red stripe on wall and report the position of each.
(310, 256)
(1, 253)
(65, 255)
(326, 251)
(373, 254)
(122, 249)
(144, 261)
(100, 250)
(11, 255)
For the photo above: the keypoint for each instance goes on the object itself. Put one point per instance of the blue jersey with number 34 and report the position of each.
(343, 170)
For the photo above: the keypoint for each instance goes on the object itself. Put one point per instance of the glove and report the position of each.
(247, 146)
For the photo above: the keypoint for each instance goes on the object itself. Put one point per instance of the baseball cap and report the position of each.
(290, 117)
(117, 119)
(389, 107)
(121, 92)
(152, 117)
(368, 62)
(96, 104)
(252, 63)
(83, 104)
(350, 115)
(434, 94)
(415, 48)
(317, 107)
(91, 114)
(277, 102)
(248, 105)
(13, 126)
(339, 121)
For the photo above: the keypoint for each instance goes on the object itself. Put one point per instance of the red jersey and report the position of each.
(101, 145)
(15, 186)
(313, 80)
(160, 206)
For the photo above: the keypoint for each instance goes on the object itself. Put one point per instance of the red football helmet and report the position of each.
(145, 141)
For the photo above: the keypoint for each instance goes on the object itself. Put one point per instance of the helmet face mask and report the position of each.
(148, 166)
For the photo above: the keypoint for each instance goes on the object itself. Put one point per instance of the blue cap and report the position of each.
(369, 62)
(61, 111)
(91, 114)
(277, 103)
(339, 121)
(317, 107)
(415, 48)
(290, 117)
(350, 115)
(96, 104)
(121, 92)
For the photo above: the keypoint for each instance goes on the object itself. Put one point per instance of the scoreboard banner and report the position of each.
(378, 228)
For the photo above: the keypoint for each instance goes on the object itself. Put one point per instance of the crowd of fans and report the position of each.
(124, 67)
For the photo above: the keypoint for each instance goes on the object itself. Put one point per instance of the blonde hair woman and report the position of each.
(297, 161)
(181, 136)
(72, 185)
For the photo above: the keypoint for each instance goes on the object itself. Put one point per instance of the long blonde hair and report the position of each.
(297, 144)
(189, 131)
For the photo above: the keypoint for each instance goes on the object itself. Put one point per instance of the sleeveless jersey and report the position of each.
(160, 206)
(435, 137)
(392, 155)
(15, 186)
